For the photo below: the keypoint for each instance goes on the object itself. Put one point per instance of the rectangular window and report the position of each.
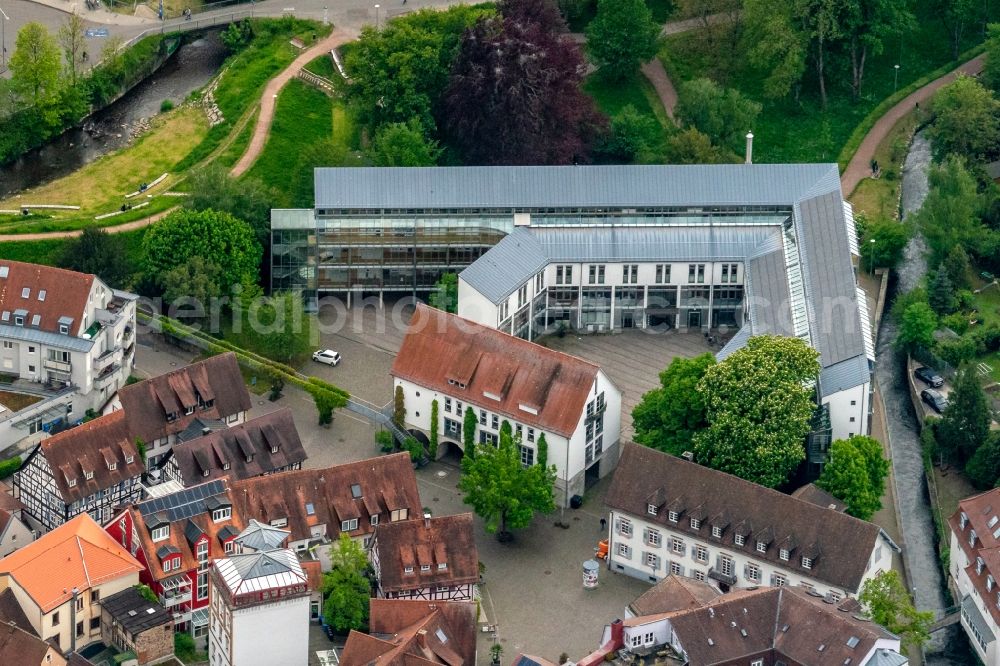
(716, 531)
(95, 623)
(807, 563)
(539, 281)
(701, 553)
(662, 273)
(624, 550)
(223, 513)
(654, 538)
(677, 545)
(783, 554)
(739, 539)
(518, 431)
(79, 628)
(495, 422)
(630, 274)
(726, 565)
(596, 274)
(527, 456)
(651, 509)
(161, 533)
(55, 619)
(676, 569)
(447, 405)
(531, 435)
(228, 547)
(725, 272)
(695, 524)
(564, 275)
(761, 547)
(349, 525)
(482, 417)
(699, 575)
(652, 560)
(672, 516)
(522, 295)
(778, 580)
(202, 585)
(753, 572)
(625, 527)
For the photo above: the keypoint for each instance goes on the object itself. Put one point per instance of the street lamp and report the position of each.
(377, 26)
(895, 79)
(3, 40)
(871, 257)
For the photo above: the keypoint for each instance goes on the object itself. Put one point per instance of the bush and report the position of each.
(166, 105)
(9, 466)
(385, 441)
(957, 322)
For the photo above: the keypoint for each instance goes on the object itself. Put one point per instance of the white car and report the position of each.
(327, 356)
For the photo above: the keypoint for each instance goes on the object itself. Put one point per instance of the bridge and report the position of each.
(952, 616)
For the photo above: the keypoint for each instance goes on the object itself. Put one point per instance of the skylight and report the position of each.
(853, 641)
(440, 636)
(310, 509)
(355, 490)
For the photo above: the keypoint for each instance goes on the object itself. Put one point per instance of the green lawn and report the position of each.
(612, 96)
(323, 66)
(791, 130)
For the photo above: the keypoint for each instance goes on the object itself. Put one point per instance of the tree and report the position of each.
(246, 199)
(855, 474)
(991, 68)
(403, 145)
(689, 146)
(543, 450)
(146, 593)
(326, 402)
(983, 468)
(445, 294)
(955, 15)
(621, 37)
(890, 239)
(868, 25)
(885, 599)
(667, 417)
(432, 447)
(34, 66)
(758, 410)
(958, 267)
(724, 114)
(280, 328)
(195, 280)
(916, 327)
(226, 240)
(98, 252)
(347, 597)
(941, 294)
(965, 424)
(776, 44)
(398, 408)
(71, 39)
(501, 490)
(633, 137)
(469, 433)
(950, 213)
(966, 120)
(514, 95)
(348, 555)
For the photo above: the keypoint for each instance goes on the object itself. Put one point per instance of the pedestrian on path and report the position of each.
(604, 524)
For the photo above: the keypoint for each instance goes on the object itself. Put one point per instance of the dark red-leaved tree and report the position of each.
(514, 96)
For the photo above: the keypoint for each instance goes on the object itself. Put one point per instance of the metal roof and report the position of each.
(576, 186)
(45, 338)
(254, 572)
(257, 536)
(184, 504)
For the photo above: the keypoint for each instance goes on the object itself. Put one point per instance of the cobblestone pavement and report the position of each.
(633, 359)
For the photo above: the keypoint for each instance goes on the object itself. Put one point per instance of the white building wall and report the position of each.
(636, 565)
(849, 411)
(958, 564)
(474, 306)
(256, 641)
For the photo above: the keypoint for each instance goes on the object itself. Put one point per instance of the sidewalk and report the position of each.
(102, 15)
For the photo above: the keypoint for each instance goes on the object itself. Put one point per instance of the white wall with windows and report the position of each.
(976, 620)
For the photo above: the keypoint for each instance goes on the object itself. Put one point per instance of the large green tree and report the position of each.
(917, 324)
(966, 120)
(403, 145)
(632, 138)
(776, 44)
(98, 252)
(941, 294)
(855, 474)
(958, 267)
(689, 146)
(445, 294)
(991, 68)
(951, 212)
(890, 236)
(246, 199)
(621, 37)
(983, 468)
(194, 281)
(868, 25)
(885, 598)
(965, 425)
(956, 16)
(503, 492)
(759, 407)
(72, 34)
(35, 66)
(668, 417)
(219, 237)
(280, 328)
(346, 587)
(724, 114)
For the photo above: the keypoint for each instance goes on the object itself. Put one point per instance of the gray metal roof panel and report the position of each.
(579, 186)
(45, 338)
(735, 343)
(844, 375)
(768, 295)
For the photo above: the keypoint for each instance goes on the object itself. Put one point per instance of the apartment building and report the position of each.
(466, 366)
(974, 567)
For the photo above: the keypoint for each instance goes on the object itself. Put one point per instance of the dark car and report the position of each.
(937, 402)
(929, 377)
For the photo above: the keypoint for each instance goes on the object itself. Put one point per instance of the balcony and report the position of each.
(108, 358)
(107, 376)
(177, 596)
(59, 366)
(717, 574)
(182, 613)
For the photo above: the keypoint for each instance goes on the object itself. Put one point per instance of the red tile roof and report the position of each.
(216, 380)
(76, 554)
(674, 593)
(981, 510)
(18, 646)
(385, 483)
(442, 352)
(409, 633)
(92, 447)
(443, 539)
(66, 294)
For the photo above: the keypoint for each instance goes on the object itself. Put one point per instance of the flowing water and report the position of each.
(190, 68)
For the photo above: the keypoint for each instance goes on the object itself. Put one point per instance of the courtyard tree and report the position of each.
(890, 236)
(916, 327)
(941, 294)
(194, 282)
(279, 328)
(403, 145)
(445, 294)
(432, 446)
(229, 242)
(469, 433)
(621, 37)
(346, 588)
(632, 138)
(724, 114)
(514, 95)
(759, 409)
(667, 417)
(502, 491)
(398, 408)
(965, 425)
(966, 120)
(98, 252)
(855, 474)
(885, 599)
(35, 65)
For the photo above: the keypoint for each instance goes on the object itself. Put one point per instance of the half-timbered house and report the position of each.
(433, 559)
(92, 468)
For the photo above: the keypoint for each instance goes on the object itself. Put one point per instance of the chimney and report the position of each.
(427, 519)
(72, 621)
(749, 159)
(206, 430)
(422, 638)
(688, 455)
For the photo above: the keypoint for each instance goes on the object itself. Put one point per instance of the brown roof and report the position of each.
(409, 633)
(815, 495)
(673, 593)
(18, 646)
(442, 351)
(785, 622)
(205, 457)
(92, 448)
(444, 539)
(11, 611)
(189, 514)
(981, 510)
(216, 380)
(386, 483)
(66, 294)
(839, 545)
(9, 503)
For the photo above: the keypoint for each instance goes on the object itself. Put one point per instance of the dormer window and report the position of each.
(349, 525)
(695, 524)
(989, 583)
(205, 473)
(188, 411)
(225, 465)
(64, 329)
(651, 509)
(783, 554)
(250, 458)
(274, 449)
(972, 537)
(18, 320)
(374, 520)
(407, 570)
(112, 466)
(672, 516)
(979, 566)
(963, 520)
(442, 566)
(171, 417)
(72, 483)
(716, 531)
(761, 547)
(222, 513)
(88, 475)
(739, 539)
(807, 563)
(160, 533)
(425, 567)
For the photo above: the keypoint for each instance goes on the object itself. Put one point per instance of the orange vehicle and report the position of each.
(601, 552)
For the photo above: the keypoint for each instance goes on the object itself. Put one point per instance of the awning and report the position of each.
(200, 616)
(972, 617)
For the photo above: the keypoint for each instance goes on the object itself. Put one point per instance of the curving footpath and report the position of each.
(860, 165)
(55, 235)
(270, 97)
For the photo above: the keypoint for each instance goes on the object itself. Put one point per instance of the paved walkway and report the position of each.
(665, 90)
(270, 96)
(121, 228)
(859, 167)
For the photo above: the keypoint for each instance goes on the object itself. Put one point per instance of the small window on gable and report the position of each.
(408, 570)
(129, 459)
(425, 567)
(225, 465)
(651, 509)
(113, 466)
(274, 449)
(442, 566)
(716, 531)
(739, 539)
(72, 483)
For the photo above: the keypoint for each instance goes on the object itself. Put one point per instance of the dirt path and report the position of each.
(859, 167)
(657, 75)
(55, 235)
(270, 97)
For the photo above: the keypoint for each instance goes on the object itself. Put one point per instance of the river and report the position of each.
(191, 67)
(948, 647)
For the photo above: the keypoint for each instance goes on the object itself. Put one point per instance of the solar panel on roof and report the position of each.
(184, 503)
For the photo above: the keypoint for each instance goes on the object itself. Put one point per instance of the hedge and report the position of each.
(9, 466)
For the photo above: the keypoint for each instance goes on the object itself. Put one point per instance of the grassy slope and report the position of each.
(880, 198)
(611, 97)
(800, 131)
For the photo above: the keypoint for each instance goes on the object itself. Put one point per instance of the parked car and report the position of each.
(937, 402)
(327, 356)
(929, 377)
